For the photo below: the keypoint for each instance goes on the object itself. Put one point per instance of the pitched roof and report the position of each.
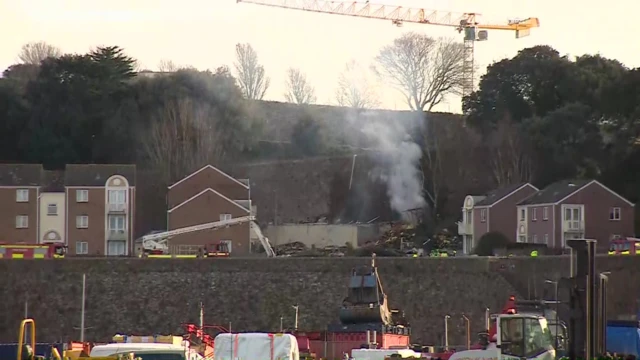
(207, 190)
(498, 194)
(52, 181)
(555, 192)
(97, 174)
(20, 174)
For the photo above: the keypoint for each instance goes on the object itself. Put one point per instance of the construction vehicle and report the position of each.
(624, 246)
(462, 22)
(32, 251)
(156, 245)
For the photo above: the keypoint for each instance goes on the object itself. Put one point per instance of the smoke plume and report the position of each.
(398, 157)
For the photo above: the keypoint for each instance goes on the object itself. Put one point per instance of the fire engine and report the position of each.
(156, 245)
(32, 251)
(625, 246)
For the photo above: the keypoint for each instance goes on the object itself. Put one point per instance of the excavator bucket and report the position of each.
(366, 302)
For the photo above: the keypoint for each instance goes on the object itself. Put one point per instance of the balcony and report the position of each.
(117, 207)
(117, 235)
(465, 228)
(573, 226)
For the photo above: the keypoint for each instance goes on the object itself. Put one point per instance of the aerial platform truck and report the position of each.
(157, 245)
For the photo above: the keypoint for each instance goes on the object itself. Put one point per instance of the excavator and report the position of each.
(26, 351)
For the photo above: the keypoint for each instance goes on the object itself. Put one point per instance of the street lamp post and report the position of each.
(295, 322)
(555, 285)
(446, 332)
(468, 331)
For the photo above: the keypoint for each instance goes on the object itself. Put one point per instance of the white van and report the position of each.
(147, 351)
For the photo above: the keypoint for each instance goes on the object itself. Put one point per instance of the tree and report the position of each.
(250, 74)
(182, 138)
(489, 242)
(307, 136)
(354, 89)
(168, 66)
(33, 53)
(510, 155)
(299, 91)
(424, 69)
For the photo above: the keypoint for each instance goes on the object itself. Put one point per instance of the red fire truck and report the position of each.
(32, 251)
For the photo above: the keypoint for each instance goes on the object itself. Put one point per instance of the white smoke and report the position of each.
(398, 159)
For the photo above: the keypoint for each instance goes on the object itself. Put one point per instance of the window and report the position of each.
(524, 338)
(82, 247)
(535, 238)
(226, 244)
(224, 217)
(22, 195)
(546, 239)
(534, 215)
(545, 213)
(116, 248)
(52, 209)
(615, 213)
(82, 221)
(522, 238)
(117, 196)
(116, 223)
(523, 214)
(469, 216)
(82, 195)
(22, 222)
(483, 215)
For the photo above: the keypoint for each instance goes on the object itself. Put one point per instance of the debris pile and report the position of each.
(299, 249)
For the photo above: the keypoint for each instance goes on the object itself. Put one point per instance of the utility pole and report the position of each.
(295, 323)
(446, 332)
(468, 331)
(84, 294)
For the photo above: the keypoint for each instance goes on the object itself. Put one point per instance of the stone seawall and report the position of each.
(134, 296)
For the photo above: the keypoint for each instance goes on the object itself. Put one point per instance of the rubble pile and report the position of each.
(299, 249)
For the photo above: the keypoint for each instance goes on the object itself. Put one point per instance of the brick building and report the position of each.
(90, 208)
(209, 195)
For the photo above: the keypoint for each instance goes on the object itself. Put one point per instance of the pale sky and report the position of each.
(204, 33)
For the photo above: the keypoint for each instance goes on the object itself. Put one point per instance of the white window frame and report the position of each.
(117, 228)
(523, 214)
(22, 195)
(534, 214)
(546, 239)
(82, 196)
(22, 221)
(82, 222)
(545, 213)
(224, 217)
(114, 198)
(52, 209)
(535, 238)
(522, 238)
(615, 211)
(82, 248)
(483, 215)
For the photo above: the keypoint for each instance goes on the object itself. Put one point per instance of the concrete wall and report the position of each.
(48, 224)
(321, 235)
(155, 296)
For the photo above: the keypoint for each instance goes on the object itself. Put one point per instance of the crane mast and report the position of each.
(462, 22)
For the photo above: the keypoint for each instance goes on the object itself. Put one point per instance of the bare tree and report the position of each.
(183, 138)
(299, 90)
(354, 88)
(33, 53)
(250, 74)
(424, 69)
(510, 155)
(168, 66)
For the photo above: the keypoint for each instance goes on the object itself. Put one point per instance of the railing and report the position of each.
(573, 225)
(117, 207)
(117, 235)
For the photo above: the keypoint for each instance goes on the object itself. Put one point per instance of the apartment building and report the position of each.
(494, 211)
(574, 209)
(90, 208)
(209, 195)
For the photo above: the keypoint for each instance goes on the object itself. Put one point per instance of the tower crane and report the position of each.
(466, 23)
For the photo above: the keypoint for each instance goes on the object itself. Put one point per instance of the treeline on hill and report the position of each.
(537, 117)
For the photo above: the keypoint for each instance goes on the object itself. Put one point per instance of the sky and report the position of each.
(203, 34)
